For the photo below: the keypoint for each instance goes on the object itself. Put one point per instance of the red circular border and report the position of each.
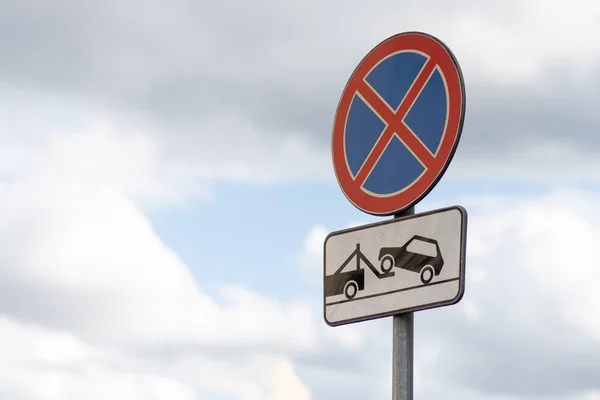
(450, 69)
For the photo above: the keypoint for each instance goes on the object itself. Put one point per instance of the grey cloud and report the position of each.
(561, 112)
(281, 65)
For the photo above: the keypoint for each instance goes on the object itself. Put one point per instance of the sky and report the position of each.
(166, 186)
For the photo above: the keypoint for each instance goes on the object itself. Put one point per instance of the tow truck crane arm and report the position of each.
(360, 256)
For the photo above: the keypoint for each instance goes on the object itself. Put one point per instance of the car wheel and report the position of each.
(350, 290)
(387, 263)
(427, 274)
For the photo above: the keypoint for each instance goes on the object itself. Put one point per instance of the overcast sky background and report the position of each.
(166, 185)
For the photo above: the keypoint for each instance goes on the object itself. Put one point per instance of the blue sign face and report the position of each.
(398, 124)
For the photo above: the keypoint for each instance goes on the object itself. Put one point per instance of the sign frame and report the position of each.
(423, 307)
(381, 205)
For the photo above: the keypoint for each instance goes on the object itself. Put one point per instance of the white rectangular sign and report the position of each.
(400, 265)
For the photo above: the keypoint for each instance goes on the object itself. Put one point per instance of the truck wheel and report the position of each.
(350, 290)
(387, 263)
(427, 274)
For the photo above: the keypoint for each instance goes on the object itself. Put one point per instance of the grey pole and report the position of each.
(402, 351)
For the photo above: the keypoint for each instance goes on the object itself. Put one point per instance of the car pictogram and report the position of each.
(420, 254)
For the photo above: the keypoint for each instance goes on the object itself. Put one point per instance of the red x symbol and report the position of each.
(435, 162)
(395, 123)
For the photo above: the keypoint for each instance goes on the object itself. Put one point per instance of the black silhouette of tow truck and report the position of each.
(351, 282)
(420, 254)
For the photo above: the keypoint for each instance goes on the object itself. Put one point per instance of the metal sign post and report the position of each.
(402, 357)
(403, 348)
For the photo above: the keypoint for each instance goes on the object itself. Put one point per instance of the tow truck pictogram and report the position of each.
(351, 282)
(420, 254)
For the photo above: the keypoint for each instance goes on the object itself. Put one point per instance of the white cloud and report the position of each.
(285, 385)
(102, 305)
(312, 256)
(528, 318)
(38, 363)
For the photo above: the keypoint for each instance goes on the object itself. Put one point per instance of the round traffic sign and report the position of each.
(398, 123)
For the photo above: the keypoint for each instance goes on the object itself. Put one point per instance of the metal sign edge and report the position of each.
(458, 134)
(462, 266)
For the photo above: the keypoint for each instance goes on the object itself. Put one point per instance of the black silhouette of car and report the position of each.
(348, 283)
(420, 254)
